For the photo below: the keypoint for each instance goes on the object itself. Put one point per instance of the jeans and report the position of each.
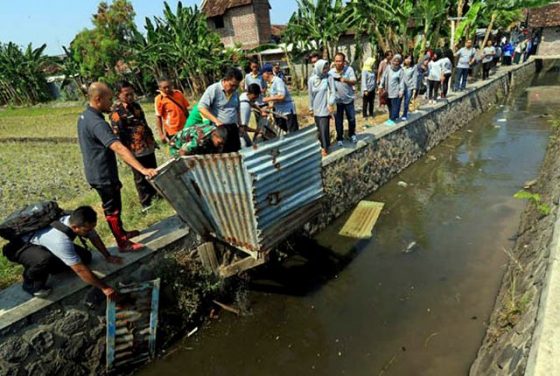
(322, 123)
(433, 89)
(407, 99)
(290, 124)
(461, 80)
(341, 108)
(368, 103)
(486, 70)
(395, 108)
(146, 192)
(445, 84)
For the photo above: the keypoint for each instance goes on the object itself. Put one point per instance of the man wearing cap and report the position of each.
(280, 97)
(220, 105)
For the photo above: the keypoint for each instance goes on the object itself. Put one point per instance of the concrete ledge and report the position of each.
(15, 304)
(544, 357)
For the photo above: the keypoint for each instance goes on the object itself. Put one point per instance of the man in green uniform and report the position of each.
(198, 139)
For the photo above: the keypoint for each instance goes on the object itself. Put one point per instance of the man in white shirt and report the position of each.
(52, 250)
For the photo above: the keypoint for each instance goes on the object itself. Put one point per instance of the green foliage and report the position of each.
(318, 25)
(22, 80)
(100, 53)
(535, 198)
(180, 45)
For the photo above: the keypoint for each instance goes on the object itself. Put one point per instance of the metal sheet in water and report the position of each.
(132, 325)
(252, 199)
(363, 218)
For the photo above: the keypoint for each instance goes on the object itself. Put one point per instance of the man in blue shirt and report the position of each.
(279, 95)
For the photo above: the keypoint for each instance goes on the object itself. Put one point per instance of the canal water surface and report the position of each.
(414, 299)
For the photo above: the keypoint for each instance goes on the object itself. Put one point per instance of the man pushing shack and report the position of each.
(99, 144)
(220, 105)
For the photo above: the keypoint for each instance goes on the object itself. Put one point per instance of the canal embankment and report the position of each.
(37, 333)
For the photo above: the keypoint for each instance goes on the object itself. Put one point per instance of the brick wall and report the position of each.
(248, 25)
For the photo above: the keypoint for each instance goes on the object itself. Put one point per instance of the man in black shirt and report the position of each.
(99, 145)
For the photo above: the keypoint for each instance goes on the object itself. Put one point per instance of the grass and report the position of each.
(33, 171)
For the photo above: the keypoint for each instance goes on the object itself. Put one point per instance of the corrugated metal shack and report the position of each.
(253, 199)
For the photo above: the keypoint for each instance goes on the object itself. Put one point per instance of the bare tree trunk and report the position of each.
(489, 29)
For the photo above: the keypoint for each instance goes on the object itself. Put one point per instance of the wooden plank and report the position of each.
(240, 266)
(207, 253)
(361, 222)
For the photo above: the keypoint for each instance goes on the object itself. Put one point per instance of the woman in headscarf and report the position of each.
(322, 100)
(393, 83)
(368, 87)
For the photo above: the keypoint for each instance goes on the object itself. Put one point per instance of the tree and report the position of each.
(22, 78)
(319, 24)
(97, 51)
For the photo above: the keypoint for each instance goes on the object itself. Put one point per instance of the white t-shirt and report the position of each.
(434, 71)
(58, 243)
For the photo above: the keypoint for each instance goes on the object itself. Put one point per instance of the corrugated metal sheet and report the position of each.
(132, 325)
(252, 199)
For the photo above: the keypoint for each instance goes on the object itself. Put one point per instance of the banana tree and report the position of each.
(319, 23)
(432, 14)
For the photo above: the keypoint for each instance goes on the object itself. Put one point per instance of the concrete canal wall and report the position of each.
(62, 336)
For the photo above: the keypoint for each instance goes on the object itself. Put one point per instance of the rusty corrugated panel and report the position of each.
(132, 325)
(252, 199)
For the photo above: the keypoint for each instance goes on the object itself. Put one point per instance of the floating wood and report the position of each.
(207, 253)
(361, 222)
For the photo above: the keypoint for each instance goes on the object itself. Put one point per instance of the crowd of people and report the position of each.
(220, 122)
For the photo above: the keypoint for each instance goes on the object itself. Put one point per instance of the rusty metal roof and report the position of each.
(252, 199)
(213, 8)
(547, 16)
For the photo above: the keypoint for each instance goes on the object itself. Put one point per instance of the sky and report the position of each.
(56, 22)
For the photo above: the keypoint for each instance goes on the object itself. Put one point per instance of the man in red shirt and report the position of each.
(171, 110)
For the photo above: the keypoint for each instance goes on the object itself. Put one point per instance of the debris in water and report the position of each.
(457, 217)
(529, 184)
(432, 158)
(226, 307)
(497, 126)
(410, 248)
(502, 120)
(403, 348)
(428, 310)
(277, 338)
(474, 318)
(192, 332)
(469, 131)
(429, 338)
(363, 218)
(339, 353)
(402, 184)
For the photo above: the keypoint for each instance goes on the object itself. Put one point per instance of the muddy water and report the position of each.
(413, 300)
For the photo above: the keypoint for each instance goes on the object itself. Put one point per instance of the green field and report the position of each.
(45, 170)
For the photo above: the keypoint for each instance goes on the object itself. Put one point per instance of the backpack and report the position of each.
(29, 219)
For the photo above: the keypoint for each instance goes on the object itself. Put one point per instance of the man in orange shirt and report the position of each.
(171, 110)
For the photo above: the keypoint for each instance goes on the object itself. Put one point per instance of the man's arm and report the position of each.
(161, 132)
(88, 277)
(208, 115)
(350, 80)
(131, 160)
(100, 246)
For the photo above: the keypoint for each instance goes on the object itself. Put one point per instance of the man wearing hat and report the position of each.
(279, 96)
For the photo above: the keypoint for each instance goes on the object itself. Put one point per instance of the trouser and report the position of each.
(462, 75)
(146, 192)
(433, 89)
(112, 207)
(445, 84)
(38, 262)
(506, 60)
(341, 108)
(486, 70)
(368, 99)
(407, 99)
(232, 143)
(322, 123)
(289, 124)
(395, 108)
